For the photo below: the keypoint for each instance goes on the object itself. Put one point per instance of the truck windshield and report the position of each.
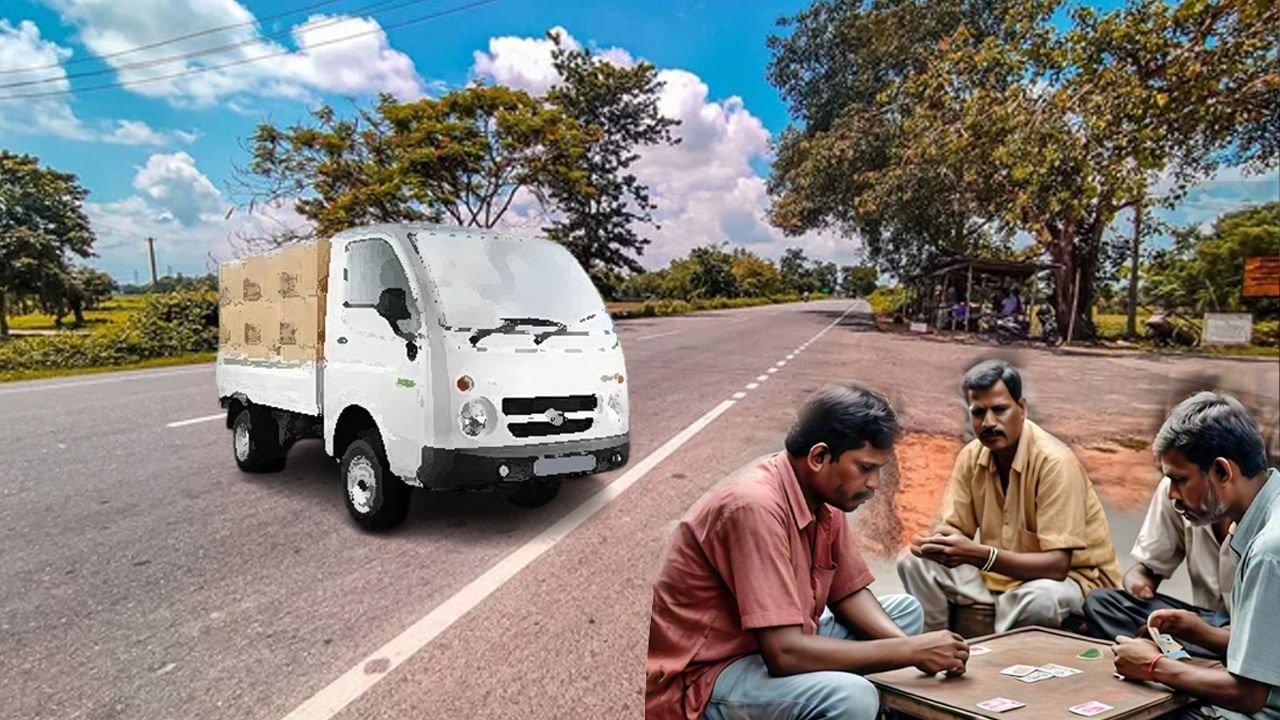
(482, 280)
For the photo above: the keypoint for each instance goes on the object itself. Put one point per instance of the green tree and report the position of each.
(840, 69)
(797, 275)
(617, 107)
(1031, 127)
(755, 276)
(42, 223)
(464, 157)
(1205, 271)
(859, 281)
(712, 273)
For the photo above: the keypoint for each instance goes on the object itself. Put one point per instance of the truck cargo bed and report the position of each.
(292, 386)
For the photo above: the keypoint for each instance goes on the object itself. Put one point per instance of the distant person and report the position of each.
(1012, 304)
(1212, 452)
(762, 606)
(1166, 539)
(1045, 541)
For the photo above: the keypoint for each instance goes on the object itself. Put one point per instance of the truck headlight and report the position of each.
(476, 417)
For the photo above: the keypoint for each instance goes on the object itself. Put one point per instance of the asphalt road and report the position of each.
(143, 576)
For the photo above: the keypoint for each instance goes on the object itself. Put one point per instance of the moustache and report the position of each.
(991, 433)
(863, 496)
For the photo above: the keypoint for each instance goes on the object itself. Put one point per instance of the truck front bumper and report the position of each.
(479, 468)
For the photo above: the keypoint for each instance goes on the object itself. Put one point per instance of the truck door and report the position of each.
(367, 363)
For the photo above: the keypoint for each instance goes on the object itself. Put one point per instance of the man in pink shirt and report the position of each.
(762, 606)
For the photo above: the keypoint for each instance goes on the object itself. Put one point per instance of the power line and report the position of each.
(245, 61)
(214, 50)
(169, 41)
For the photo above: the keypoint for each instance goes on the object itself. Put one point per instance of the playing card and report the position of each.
(1091, 708)
(1018, 670)
(975, 650)
(1000, 704)
(1171, 648)
(1059, 670)
(1036, 676)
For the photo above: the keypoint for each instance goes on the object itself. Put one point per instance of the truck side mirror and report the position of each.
(392, 305)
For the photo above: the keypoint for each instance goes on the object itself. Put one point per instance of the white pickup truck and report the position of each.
(424, 356)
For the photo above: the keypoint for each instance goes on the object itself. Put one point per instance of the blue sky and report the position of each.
(157, 157)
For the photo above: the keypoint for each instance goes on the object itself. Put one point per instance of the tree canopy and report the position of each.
(991, 120)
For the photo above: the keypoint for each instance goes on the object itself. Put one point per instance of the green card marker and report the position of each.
(1092, 653)
(405, 382)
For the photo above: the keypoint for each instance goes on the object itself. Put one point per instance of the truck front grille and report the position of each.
(539, 405)
(535, 429)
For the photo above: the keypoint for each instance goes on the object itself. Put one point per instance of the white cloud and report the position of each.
(360, 65)
(705, 187)
(136, 132)
(22, 47)
(185, 213)
(173, 184)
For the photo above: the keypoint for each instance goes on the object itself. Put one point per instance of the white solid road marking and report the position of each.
(656, 335)
(82, 383)
(193, 421)
(349, 686)
(354, 682)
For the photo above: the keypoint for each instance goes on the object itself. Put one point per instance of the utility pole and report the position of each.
(151, 252)
(1131, 328)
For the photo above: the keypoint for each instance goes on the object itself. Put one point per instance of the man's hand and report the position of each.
(1139, 583)
(1133, 657)
(949, 547)
(1181, 624)
(941, 650)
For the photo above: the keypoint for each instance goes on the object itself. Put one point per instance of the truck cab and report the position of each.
(450, 358)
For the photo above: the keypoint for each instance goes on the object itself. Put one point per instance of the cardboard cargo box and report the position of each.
(256, 330)
(300, 270)
(229, 288)
(300, 330)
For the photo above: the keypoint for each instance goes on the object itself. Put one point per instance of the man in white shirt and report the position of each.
(1166, 539)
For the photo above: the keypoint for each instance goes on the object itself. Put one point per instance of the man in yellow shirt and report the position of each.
(1022, 528)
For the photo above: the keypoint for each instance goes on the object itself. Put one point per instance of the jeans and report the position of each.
(746, 690)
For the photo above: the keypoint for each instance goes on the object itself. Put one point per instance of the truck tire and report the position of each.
(376, 499)
(535, 493)
(255, 442)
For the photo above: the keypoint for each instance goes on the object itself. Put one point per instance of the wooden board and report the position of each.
(1262, 276)
(935, 698)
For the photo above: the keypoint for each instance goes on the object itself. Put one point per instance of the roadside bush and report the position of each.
(886, 300)
(165, 325)
(662, 308)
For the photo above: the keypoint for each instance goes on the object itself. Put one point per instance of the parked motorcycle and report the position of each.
(1049, 334)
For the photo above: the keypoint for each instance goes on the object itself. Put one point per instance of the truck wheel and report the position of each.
(375, 498)
(535, 493)
(255, 443)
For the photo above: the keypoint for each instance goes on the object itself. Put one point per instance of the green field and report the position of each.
(109, 313)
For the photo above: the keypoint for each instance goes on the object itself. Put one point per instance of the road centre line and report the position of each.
(349, 686)
(193, 421)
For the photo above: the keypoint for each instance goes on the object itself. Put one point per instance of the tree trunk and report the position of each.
(1073, 255)
(77, 307)
(1131, 324)
(4, 317)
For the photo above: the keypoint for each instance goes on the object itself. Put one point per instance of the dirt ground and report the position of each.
(1106, 406)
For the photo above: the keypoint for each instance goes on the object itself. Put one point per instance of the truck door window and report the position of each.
(372, 266)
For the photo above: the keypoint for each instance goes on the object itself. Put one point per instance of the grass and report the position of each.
(1112, 327)
(191, 359)
(112, 312)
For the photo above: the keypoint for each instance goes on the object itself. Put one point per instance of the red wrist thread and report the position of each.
(1151, 669)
